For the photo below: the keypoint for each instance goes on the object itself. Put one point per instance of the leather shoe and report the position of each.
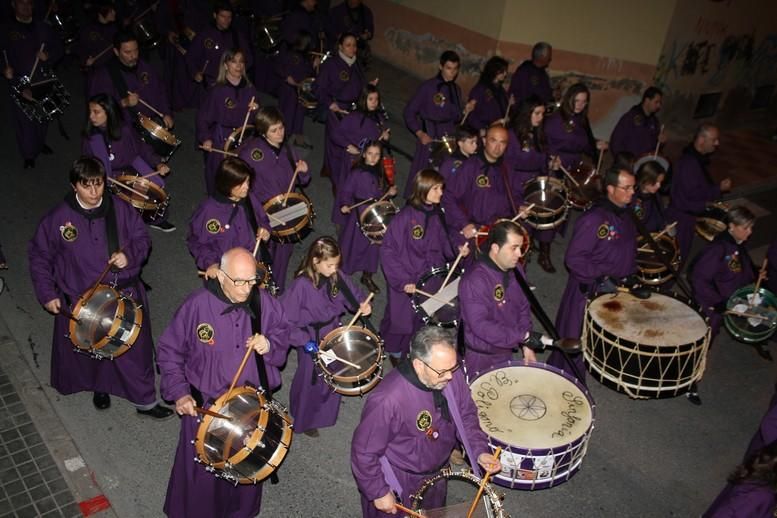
(369, 283)
(158, 412)
(313, 432)
(101, 400)
(693, 397)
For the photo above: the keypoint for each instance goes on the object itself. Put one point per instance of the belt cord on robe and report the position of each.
(453, 407)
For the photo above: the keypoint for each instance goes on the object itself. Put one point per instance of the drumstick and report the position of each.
(359, 313)
(351, 207)
(125, 186)
(658, 142)
(523, 213)
(466, 114)
(761, 275)
(435, 297)
(179, 48)
(330, 354)
(450, 272)
(144, 13)
(144, 103)
(37, 58)
(482, 486)
(5, 55)
(204, 67)
(590, 175)
(202, 411)
(507, 111)
(482, 234)
(569, 175)
(291, 186)
(407, 511)
(745, 314)
(599, 163)
(103, 51)
(249, 350)
(666, 229)
(149, 175)
(43, 81)
(215, 150)
(256, 246)
(48, 11)
(100, 278)
(245, 121)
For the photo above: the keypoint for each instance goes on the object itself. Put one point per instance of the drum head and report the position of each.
(293, 219)
(149, 196)
(533, 406)
(95, 317)
(355, 345)
(218, 439)
(445, 311)
(375, 219)
(752, 329)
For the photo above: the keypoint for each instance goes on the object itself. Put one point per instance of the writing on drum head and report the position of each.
(572, 403)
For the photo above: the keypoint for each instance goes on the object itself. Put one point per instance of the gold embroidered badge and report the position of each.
(205, 333)
(213, 226)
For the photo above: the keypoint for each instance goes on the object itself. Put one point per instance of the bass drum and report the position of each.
(358, 346)
(760, 320)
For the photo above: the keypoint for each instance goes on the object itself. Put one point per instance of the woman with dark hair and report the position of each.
(569, 131)
(224, 110)
(416, 241)
(646, 203)
(274, 162)
(231, 217)
(365, 181)
(110, 139)
(490, 95)
(316, 299)
(292, 66)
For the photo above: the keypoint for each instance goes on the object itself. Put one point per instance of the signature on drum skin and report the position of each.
(573, 402)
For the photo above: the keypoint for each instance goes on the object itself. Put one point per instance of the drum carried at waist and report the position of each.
(647, 348)
(541, 417)
(291, 217)
(587, 186)
(650, 267)
(374, 220)
(713, 221)
(43, 99)
(351, 360)
(161, 140)
(490, 504)
(751, 319)
(251, 444)
(234, 140)
(305, 94)
(442, 308)
(105, 323)
(549, 196)
(143, 194)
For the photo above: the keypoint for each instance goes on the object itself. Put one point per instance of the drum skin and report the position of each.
(430, 282)
(296, 229)
(549, 196)
(742, 328)
(357, 345)
(650, 268)
(152, 202)
(375, 219)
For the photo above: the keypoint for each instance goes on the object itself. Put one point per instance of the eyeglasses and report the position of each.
(444, 371)
(627, 188)
(240, 282)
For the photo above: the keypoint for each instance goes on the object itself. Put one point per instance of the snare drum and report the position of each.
(290, 222)
(540, 416)
(305, 94)
(233, 141)
(465, 485)
(356, 345)
(106, 324)
(549, 196)
(440, 149)
(374, 221)
(150, 199)
(650, 157)
(761, 325)
(713, 221)
(161, 140)
(649, 266)
(588, 188)
(49, 96)
(443, 310)
(646, 348)
(252, 445)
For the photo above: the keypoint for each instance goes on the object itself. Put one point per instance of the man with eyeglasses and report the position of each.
(198, 355)
(72, 246)
(601, 255)
(411, 423)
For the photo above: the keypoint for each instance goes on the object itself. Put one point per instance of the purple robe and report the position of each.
(450, 165)
(648, 209)
(570, 140)
(603, 243)
(388, 428)
(405, 256)
(189, 360)
(273, 173)
(144, 80)
(529, 79)
(359, 254)
(93, 38)
(491, 105)
(342, 18)
(125, 156)
(635, 133)
(297, 65)
(312, 402)
(691, 190)
(767, 429)
(222, 112)
(720, 269)
(66, 255)
(299, 20)
(771, 269)
(436, 107)
(478, 194)
(207, 47)
(744, 500)
(495, 313)
(21, 42)
(219, 224)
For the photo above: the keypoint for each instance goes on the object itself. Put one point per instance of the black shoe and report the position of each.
(163, 226)
(29, 163)
(312, 432)
(158, 412)
(101, 400)
(46, 150)
(369, 283)
(693, 397)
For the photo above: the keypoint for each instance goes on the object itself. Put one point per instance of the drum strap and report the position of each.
(111, 228)
(118, 80)
(508, 190)
(453, 407)
(264, 254)
(349, 297)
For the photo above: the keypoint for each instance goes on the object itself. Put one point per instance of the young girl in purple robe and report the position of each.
(366, 181)
(646, 203)
(569, 130)
(313, 304)
(490, 94)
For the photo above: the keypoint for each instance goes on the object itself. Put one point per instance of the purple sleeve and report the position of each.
(292, 300)
(469, 417)
(204, 250)
(370, 439)
(205, 118)
(618, 137)
(475, 301)
(704, 275)
(171, 355)
(136, 243)
(276, 329)
(40, 256)
(261, 216)
(412, 111)
(392, 253)
(455, 192)
(580, 250)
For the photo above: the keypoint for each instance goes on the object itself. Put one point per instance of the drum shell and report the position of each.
(656, 275)
(739, 327)
(232, 143)
(496, 507)
(712, 222)
(152, 209)
(536, 191)
(50, 97)
(374, 220)
(359, 383)
(588, 188)
(305, 94)
(293, 231)
(442, 149)
(438, 272)
(162, 141)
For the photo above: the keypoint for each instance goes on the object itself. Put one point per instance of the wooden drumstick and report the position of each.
(127, 187)
(211, 413)
(658, 143)
(434, 297)
(657, 236)
(249, 350)
(5, 56)
(43, 81)
(569, 175)
(330, 354)
(245, 121)
(481, 234)
(48, 11)
(144, 13)
(761, 275)
(149, 175)
(599, 163)
(482, 486)
(204, 68)
(408, 511)
(359, 313)
(144, 103)
(179, 48)
(745, 314)
(291, 186)
(219, 151)
(466, 114)
(37, 58)
(523, 213)
(590, 175)
(103, 51)
(351, 207)
(101, 277)
(450, 272)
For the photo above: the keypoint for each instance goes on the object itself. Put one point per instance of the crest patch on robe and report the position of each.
(639, 120)
(439, 99)
(733, 262)
(417, 232)
(229, 103)
(482, 181)
(205, 333)
(213, 226)
(209, 43)
(423, 420)
(534, 80)
(344, 75)
(257, 155)
(499, 293)
(69, 232)
(144, 78)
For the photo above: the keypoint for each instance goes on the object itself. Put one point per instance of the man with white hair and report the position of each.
(531, 77)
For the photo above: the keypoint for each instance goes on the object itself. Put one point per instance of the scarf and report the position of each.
(408, 372)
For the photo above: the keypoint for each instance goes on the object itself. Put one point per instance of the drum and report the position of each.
(443, 309)
(292, 221)
(305, 94)
(150, 199)
(482, 237)
(374, 220)
(650, 157)
(655, 347)
(250, 446)
(233, 141)
(588, 188)
(760, 321)
(358, 346)
(713, 221)
(440, 149)
(264, 278)
(161, 140)
(649, 266)
(540, 416)
(106, 324)
(43, 99)
(65, 26)
(146, 33)
(465, 485)
(549, 196)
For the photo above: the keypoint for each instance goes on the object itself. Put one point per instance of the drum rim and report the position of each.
(551, 214)
(662, 271)
(435, 270)
(140, 204)
(729, 320)
(115, 324)
(377, 236)
(449, 473)
(367, 374)
(232, 137)
(158, 131)
(304, 222)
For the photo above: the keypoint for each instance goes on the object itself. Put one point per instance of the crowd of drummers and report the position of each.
(496, 176)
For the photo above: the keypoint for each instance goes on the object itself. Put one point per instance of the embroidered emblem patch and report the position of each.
(344, 75)
(209, 43)
(639, 120)
(638, 210)
(15, 36)
(69, 232)
(229, 103)
(534, 80)
(205, 333)
(257, 155)
(603, 231)
(417, 232)
(423, 421)
(569, 126)
(499, 293)
(734, 264)
(334, 289)
(438, 99)
(213, 226)
(94, 36)
(144, 77)
(488, 95)
(482, 181)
